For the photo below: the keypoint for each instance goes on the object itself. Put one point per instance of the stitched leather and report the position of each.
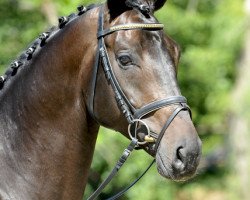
(139, 26)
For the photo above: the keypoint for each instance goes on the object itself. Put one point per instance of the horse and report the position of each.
(110, 65)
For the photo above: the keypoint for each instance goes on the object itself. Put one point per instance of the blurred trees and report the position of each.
(240, 126)
(21, 21)
(210, 35)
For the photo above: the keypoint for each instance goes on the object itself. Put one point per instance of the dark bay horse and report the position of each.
(110, 65)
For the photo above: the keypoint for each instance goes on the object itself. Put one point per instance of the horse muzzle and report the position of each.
(179, 153)
(177, 147)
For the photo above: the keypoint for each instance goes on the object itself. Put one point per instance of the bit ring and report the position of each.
(138, 121)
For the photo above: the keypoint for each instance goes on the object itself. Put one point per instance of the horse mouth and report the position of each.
(166, 169)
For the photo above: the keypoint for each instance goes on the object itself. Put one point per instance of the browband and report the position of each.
(141, 26)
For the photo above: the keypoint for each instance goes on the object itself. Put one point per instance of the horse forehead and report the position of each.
(133, 37)
(129, 36)
(141, 39)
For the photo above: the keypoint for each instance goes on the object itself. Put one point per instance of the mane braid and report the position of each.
(27, 55)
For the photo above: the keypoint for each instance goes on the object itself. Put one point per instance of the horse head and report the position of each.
(140, 63)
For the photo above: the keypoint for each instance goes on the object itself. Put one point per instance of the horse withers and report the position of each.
(110, 65)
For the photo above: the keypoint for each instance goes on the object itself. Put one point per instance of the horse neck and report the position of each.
(46, 134)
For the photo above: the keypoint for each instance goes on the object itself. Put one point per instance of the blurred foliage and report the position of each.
(210, 35)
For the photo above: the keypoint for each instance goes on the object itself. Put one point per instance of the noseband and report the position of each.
(133, 115)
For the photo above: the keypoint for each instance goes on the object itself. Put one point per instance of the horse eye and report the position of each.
(125, 60)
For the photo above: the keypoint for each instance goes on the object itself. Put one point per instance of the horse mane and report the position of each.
(41, 41)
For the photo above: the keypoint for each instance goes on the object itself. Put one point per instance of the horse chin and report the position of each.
(166, 170)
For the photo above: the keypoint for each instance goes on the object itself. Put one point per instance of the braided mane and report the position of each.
(41, 41)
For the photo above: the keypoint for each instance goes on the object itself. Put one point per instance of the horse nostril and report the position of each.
(180, 154)
(180, 159)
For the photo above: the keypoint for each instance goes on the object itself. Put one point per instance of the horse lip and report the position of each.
(162, 168)
(167, 171)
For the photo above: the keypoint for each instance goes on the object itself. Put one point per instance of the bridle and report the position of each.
(132, 114)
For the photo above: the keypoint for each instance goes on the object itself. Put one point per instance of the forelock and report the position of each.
(144, 6)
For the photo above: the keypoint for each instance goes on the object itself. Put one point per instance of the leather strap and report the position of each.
(92, 89)
(156, 105)
(121, 99)
(132, 184)
(169, 121)
(115, 170)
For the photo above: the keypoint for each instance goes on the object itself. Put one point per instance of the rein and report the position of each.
(132, 114)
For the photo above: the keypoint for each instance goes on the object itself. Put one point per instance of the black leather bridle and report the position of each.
(132, 114)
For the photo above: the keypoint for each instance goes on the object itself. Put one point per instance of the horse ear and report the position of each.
(116, 7)
(159, 4)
